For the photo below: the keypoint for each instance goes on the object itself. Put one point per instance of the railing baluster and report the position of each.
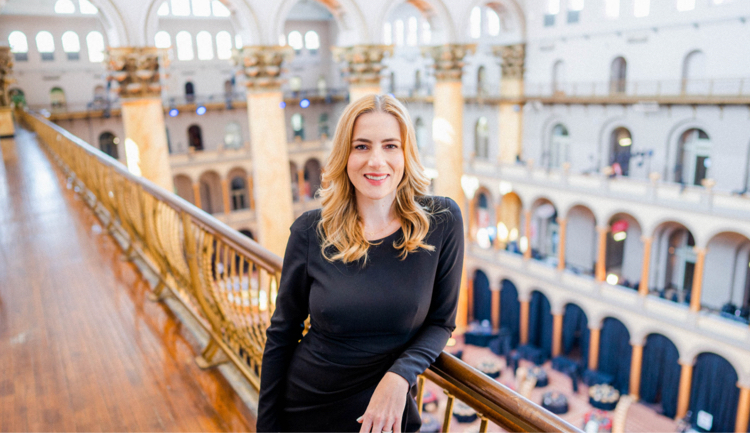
(420, 393)
(448, 412)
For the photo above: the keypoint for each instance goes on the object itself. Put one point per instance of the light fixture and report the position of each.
(502, 232)
(513, 235)
(173, 112)
(431, 173)
(282, 104)
(524, 244)
(505, 187)
(304, 103)
(451, 342)
(470, 184)
(483, 238)
(201, 110)
(612, 279)
(619, 236)
(625, 141)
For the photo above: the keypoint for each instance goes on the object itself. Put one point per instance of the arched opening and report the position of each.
(100, 93)
(238, 191)
(544, 231)
(312, 178)
(673, 262)
(575, 335)
(195, 137)
(509, 223)
(57, 98)
(210, 192)
(660, 374)
(620, 142)
(714, 392)
(298, 126)
(558, 78)
(108, 144)
(615, 353)
(580, 255)
(17, 97)
(421, 133)
(726, 276)
(624, 251)
(485, 229)
(323, 131)
(481, 81)
(482, 299)
(540, 324)
(183, 187)
(510, 311)
(693, 157)
(558, 147)
(189, 91)
(618, 75)
(694, 73)
(482, 139)
(296, 181)
(233, 135)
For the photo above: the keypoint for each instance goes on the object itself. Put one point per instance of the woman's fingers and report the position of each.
(397, 426)
(366, 424)
(378, 425)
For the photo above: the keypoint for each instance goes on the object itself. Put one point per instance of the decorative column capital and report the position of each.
(511, 59)
(449, 59)
(261, 65)
(364, 63)
(6, 69)
(136, 70)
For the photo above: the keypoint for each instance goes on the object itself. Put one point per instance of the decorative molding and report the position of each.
(363, 63)
(6, 69)
(449, 60)
(261, 65)
(136, 70)
(511, 59)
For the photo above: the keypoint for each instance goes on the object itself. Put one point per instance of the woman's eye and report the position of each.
(391, 146)
(361, 147)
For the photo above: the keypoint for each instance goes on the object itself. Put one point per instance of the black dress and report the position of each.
(390, 315)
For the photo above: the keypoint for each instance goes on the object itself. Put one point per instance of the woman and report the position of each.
(378, 270)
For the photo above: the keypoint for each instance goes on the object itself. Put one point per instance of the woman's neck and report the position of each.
(376, 214)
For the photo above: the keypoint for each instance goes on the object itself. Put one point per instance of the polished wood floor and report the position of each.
(81, 347)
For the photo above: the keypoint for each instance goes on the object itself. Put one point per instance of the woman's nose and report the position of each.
(376, 158)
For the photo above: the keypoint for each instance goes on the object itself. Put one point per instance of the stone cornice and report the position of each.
(136, 70)
(449, 59)
(261, 65)
(512, 59)
(364, 63)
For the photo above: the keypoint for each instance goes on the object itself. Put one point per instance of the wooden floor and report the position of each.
(81, 348)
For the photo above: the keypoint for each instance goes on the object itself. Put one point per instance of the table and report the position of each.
(555, 402)
(479, 338)
(491, 367)
(463, 412)
(597, 421)
(604, 397)
(542, 379)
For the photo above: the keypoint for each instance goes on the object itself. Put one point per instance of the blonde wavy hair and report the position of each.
(340, 227)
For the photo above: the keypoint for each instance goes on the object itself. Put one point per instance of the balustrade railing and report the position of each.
(229, 283)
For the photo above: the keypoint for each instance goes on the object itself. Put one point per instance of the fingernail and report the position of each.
(360, 418)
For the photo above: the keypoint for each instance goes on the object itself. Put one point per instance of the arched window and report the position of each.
(19, 46)
(426, 32)
(620, 143)
(163, 9)
(233, 135)
(71, 44)
(493, 22)
(298, 126)
(57, 97)
(641, 8)
(322, 86)
(694, 73)
(219, 9)
(481, 81)
(95, 47)
(238, 42)
(189, 91)
(295, 83)
(180, 8)
(482, 139)
(195, 137)
(412, 34)
(387, 34)
(618, 75)
(558, 149)
(475, 23)
(64, 7)
(108, 143)
(100, 93)
(201, 8)
(553, 7)
(295, 40)
(17, 97)
(45, 44)
(685, 5)
(421, 133)
(323, 125)
(162, 39)
(312, 41)
(693, 157)
(184, 45)
(223, 45)
(87, 8)
(205, 45)
(398, 32)
(558, 77)
(239, 193)
(312, 178)
(418, 79)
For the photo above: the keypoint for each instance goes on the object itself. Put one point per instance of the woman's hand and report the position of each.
(386, 406)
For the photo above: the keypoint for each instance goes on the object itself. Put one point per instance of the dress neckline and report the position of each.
(390, 235)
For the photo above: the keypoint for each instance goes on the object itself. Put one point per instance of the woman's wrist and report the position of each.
(398, 380)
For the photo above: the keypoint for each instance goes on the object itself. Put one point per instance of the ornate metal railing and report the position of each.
(229, 283)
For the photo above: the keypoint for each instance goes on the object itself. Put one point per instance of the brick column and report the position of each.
(563, 223)
(594, 334)
(250, 192)
(225, 196)
(601, 259)
(524, 322)
(197, 194)
(495, 310)
(557, 327)
(137, 71)
(695, 294)
(511, 92)
(272, 183)
(527, 234)
(364, 63)
(7, 129)
(686, 383)
(743, 410)
(635, 371)
(645, 268)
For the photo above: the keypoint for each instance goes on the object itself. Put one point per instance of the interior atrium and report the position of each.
(156, 152)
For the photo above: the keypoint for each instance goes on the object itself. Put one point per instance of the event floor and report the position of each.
(81, 349)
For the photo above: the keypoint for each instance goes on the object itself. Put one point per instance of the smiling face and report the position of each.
(376, 159)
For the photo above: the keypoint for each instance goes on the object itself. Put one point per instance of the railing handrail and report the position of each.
(248, 246)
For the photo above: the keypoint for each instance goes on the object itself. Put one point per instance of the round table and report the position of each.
(542, 379)
(463, 412)
(604, 397)
(555, 402)
(491, 367)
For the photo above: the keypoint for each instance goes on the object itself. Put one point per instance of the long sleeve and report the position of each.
(286, 326)
(441, 318)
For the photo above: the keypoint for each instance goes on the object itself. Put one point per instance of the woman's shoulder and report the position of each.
(307, 221)
(437, 205)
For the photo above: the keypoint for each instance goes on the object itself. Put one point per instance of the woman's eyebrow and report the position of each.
(361, 139)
